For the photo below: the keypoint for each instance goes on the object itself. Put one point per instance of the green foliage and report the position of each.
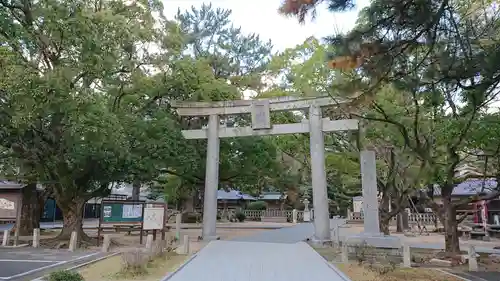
(212, 56)
(65, 275)
(257, 205)
(427, 90)
(233, 56)
(190, 217)
(85, 98)
(240, 216)
(309, 78)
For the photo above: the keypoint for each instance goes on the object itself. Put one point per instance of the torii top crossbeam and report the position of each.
(187, 108)
(260, 110)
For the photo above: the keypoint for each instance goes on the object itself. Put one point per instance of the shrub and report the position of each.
(63, 275)
(376, 260)
(240, 216)
(257, 205)
(158, 248)
(191, 217)
(135, 261)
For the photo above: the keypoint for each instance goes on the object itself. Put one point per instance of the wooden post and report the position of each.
(106, 243)
(178, 221)
(18, 220)
(406, 256)
(472, 258)
(149, 242)
(335, 234)
(165, 215)
(344, 253)
(6, 238)
(186, 244)
(73, 241)
(36, 237)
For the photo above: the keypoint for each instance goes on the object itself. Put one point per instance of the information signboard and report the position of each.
(154, 218)
(117, 212)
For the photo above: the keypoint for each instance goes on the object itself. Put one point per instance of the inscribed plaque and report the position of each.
(261, 118)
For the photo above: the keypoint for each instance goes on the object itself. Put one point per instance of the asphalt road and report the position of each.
(10, 269)
(490, 276)
(478, 276)
(19, 264)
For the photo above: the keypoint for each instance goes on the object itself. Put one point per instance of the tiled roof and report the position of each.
(271, 196)
(10, 185)
(471, 187)
(233, 195)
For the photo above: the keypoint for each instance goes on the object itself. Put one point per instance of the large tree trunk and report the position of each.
(136, 190)
(384, 209)
(30, 210)
(402, 221)
(188, 204)
(72, 211)
(384, 225)
(399, 222)
(452, 243)
(405, 220)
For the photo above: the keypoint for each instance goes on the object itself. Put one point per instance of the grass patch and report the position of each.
(362, 273)
(110, 269)
(330, 254)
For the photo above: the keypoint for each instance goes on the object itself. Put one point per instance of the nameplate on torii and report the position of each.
(261, 117)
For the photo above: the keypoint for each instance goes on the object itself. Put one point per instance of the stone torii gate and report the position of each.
(261, 125)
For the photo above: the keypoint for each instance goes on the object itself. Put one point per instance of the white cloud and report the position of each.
(262, 17)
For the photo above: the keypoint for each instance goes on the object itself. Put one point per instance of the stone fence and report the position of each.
(413, 218)
(257, 215)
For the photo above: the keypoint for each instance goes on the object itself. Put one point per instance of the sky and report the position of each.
(261, 17)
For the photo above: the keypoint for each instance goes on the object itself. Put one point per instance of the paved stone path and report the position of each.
(294, 234)
(251, 261)
(302, 231)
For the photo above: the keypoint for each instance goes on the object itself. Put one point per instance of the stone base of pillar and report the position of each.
(210, 238)
(317, 242)
(307, 216)
(377, 240)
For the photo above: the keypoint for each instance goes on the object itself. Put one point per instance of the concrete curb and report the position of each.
(14, 247)
(451, 274)
(93, 261)
(60, 263)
